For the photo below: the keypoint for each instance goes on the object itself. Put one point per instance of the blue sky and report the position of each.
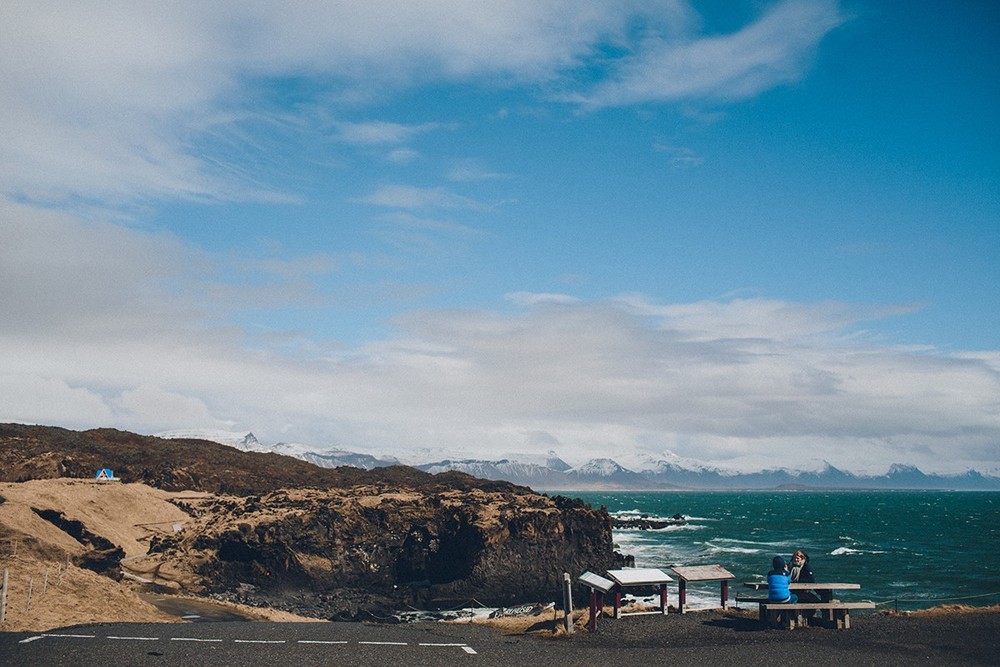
(746, 233)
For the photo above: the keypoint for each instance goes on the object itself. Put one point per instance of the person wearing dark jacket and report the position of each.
(801, 572)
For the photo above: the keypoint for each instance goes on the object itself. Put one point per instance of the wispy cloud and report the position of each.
(115, 102)
(414, 197)
(773, 50)
(472, 169)
(681, 157)
(380, 132)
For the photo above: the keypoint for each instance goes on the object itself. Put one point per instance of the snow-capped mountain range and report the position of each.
(549, 472)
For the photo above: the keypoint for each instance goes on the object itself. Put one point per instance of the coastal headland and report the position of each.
(198, 518)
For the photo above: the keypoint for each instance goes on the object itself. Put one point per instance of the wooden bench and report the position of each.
(788, 615)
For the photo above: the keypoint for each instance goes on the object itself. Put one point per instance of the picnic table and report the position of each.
(696, 573)
(639, 576)
(791, 615)
(805, 586)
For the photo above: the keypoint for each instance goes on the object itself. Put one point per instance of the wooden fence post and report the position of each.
(568, 602)
(3, 597)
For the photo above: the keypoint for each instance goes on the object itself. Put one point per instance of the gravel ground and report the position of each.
(739, 638)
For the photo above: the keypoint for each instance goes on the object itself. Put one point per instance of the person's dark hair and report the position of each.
(778, 563)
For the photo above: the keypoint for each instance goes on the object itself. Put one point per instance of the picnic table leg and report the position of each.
(681, 595)
(592, 621)
(663, 598)
(725, 594)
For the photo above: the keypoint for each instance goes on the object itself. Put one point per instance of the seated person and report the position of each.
(801, 572)
(777, 582)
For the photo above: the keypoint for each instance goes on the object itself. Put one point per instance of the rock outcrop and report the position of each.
(368, 550)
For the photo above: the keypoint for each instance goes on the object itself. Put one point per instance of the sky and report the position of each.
(753, 234)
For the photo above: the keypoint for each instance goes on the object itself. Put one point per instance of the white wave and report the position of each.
(732, 550)
(844, 551)
(848, 551)
(732, 540)
(674, 529)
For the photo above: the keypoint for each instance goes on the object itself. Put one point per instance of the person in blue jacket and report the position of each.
(777, 582)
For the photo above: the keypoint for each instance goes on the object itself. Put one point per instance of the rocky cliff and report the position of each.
(366, 550)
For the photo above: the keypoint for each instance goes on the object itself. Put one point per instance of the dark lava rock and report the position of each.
(367, 551)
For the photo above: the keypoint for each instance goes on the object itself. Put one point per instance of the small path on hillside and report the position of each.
(194, 611)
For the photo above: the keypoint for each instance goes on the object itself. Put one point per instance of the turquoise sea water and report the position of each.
(907, 549)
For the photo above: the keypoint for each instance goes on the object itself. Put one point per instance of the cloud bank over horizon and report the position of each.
(129, 338)
(478, 228)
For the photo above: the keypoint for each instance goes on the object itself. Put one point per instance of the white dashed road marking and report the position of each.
(327, 642)
(428, 644)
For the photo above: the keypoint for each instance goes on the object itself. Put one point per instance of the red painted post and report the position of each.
(618, 601)
(592, 623)
(725, 593)
(681, 595)
(663, 598)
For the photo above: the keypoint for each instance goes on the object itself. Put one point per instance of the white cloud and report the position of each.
(32, 397)
(731, 382)
(118, 101)
(471, 169)
(534, 298)
(771, 51)
(414, 197)
(681, 157)
(380, 132)
(149, 406)
(402, 156)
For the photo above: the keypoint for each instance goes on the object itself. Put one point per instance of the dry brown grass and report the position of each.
(945, 609)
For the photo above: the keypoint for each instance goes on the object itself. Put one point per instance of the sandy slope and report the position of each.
(35, 552)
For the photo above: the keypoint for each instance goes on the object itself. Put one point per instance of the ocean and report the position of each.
(908, 549)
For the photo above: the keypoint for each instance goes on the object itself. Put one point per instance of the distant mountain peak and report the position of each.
(661, 471)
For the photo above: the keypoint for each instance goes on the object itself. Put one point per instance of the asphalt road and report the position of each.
(242, 644)
(692, 639)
